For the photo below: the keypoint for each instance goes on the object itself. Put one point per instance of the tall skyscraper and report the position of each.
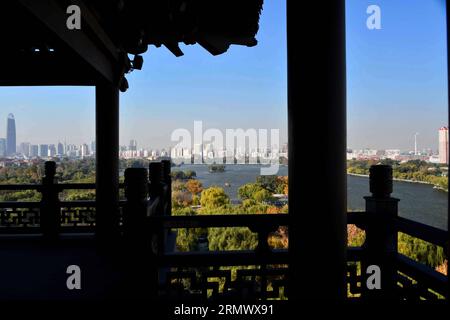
(443, 145)
(10, 135)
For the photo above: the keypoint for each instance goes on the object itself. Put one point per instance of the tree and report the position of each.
(214, 197)
(248, 190)
(269, 183)
(194, 186)
(261, 195)
(232, 239)
(181, 199)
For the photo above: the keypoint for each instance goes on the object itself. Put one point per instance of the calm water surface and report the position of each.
(418, 202)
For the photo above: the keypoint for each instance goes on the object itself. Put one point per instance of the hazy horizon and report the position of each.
(396, 86)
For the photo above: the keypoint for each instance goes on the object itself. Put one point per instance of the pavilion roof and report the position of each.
(38, 49)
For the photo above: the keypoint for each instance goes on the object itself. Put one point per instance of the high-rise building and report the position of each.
(60, 149)
(2, 147)
(443, 145)
(51, 150)
(133, 145)
(10, 135)
(24, 148)
(93, 147)
(43, 150)
(84, 149)
(34, 150)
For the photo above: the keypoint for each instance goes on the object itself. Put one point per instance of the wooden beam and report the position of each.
(101, 57)
(46, 69)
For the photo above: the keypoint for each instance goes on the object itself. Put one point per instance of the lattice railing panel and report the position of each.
(74, 217)
(19, 217)
(411, 289)
(243, 282)
(354, 279)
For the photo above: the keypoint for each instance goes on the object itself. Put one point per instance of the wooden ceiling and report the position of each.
(38, 49)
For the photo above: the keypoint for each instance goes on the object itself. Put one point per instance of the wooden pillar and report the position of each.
(448, 122)
(317, 121)
(107, 161)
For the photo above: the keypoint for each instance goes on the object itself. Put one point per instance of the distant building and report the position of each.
(133, 145)
(434, 159)
(443, 145)
(24, 148)
(51, 150)
(43, 150)
(10, 135)
(60, 149)
(84, 150)
(34, 150)
(2, 147)
(93, 147)
(392, 154)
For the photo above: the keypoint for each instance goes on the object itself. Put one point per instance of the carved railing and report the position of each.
(259, 274)
(402, 277)
(262, 273)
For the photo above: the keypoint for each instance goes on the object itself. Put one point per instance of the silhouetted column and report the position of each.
(167, 181)
(107, 161)
(448, 119)
(380, 246)
(155, 172)
(135, 210)
(156, 192)
(317, 121)
(50, 211)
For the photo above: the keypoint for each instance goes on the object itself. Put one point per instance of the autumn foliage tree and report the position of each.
(194, 186)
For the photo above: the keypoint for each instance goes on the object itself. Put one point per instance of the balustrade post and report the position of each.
(140, 265)
(167, 182)
(380, 247)
(155, 171)
(135, 209)
(49, 209)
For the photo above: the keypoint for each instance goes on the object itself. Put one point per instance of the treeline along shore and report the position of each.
(413, 171)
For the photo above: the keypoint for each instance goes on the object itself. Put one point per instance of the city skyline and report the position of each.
(396, 80)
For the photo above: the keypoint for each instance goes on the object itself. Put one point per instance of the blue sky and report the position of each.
(396, 81)
(396, 76)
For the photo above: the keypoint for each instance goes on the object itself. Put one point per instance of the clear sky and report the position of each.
(243, 88)
(397, 85)
(396, 76)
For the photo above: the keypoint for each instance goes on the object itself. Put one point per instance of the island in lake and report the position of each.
(216, 168)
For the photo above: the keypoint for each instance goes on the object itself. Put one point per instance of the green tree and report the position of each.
(261, 195)
(248, 190)
(214, 197)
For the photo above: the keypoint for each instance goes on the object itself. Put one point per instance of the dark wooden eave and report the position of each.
(38, 49)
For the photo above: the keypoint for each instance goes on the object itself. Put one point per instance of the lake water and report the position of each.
(418, 202)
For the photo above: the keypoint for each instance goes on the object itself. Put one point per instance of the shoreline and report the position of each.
(401, 180)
